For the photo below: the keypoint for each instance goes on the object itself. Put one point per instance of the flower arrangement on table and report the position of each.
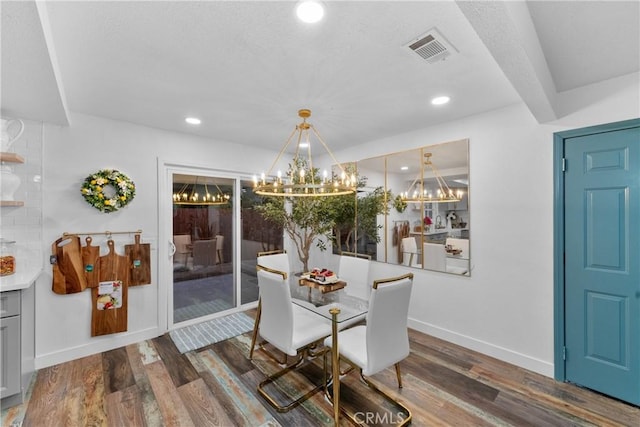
(108, 190)
(427, 223)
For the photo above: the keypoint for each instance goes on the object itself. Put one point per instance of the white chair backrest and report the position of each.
(434, 256)
(219, 247)
(204, 252)
(278, 262)
(276, 318)
(181, 241)
(410, 252)
(460, 244)
(355, 271)
(387, 335)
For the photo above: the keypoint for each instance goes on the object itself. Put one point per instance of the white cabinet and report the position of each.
(10, 358)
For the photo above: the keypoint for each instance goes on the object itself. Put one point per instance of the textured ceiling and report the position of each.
(245, 68)
(604, 40)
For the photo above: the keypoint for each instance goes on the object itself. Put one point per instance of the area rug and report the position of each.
(212, 331)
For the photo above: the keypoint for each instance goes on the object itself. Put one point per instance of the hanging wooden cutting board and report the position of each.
(139, 262)
(90, 255)
(68, 275)
(107, 319)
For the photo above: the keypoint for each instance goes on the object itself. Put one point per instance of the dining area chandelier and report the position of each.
(302, 179)
(191, 194)
(419, 193)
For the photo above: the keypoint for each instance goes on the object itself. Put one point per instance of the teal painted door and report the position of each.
(602, 262)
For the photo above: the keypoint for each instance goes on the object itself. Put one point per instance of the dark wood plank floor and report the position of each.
(152, 384)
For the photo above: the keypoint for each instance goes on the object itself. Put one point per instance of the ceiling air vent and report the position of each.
(432, 46)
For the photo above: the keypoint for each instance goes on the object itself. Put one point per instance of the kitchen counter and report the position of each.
(438, 231)
(28, 268)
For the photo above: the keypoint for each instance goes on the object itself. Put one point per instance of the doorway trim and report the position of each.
(165, 169)
(559, 139)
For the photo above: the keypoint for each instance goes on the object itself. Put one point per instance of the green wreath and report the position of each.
(399, 204)
(108, 190)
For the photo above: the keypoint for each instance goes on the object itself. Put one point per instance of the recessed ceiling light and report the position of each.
(193, 120)
(309, 11)
(404, 168)
(303, 145)
(439, 100)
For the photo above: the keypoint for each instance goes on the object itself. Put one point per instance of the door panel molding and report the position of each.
(615, 260)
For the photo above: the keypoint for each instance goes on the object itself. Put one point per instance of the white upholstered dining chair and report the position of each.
(290, 331)
(182, 242)
(434, 256)
(204, 253)
(219, 248)
(354, 269)
(384, 341)
(410, 255)
(275, 260)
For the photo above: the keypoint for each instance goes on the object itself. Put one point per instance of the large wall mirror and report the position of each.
(427, 225)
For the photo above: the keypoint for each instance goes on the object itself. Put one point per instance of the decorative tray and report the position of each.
(323, 280)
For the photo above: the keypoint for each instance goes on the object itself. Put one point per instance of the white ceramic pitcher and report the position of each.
(8, 137)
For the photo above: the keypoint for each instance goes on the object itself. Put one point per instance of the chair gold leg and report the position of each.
(407, 413)
(272, 378)
(398, 375)
(256, 325)
(273, 356)
(325, 379)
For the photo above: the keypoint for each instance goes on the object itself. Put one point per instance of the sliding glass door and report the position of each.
(258, 236)
(212, 235)
(203, 235)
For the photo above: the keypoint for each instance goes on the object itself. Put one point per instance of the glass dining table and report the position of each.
(338, 307)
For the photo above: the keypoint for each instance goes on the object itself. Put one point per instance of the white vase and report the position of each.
(10, 131)
(9, 183)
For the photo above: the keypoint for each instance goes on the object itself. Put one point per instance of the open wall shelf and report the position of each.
(11, 158)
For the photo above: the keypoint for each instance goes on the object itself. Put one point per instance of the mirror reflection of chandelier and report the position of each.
(189, 195)
(419, 193)
(302, 179)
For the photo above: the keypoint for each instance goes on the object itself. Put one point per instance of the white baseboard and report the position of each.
(504, 354)
(105, 343)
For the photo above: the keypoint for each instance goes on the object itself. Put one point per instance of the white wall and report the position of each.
(70, 155)
(505, 309)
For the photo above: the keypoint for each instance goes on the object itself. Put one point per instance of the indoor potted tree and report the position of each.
(357, 223)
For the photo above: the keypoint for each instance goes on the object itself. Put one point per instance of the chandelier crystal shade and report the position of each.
(194, 194)
(419, 193)
(302, 179)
